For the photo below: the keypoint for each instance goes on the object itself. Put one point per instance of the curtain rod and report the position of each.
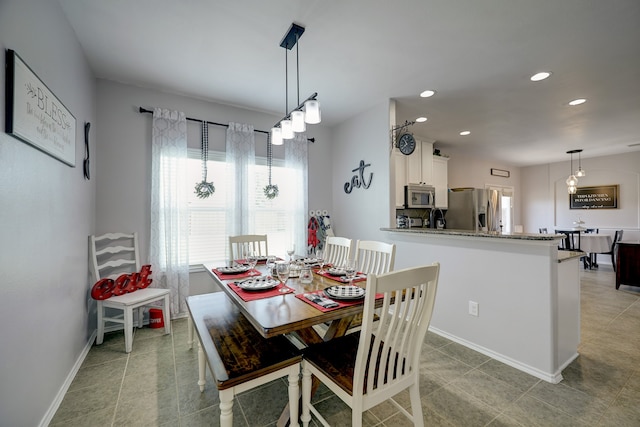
(144, 110)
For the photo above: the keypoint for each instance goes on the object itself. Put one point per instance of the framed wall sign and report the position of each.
(500, 172)
(600, 197)
(35, 115)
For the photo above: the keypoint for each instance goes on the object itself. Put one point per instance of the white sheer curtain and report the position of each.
(296, 159)
(169, 245)
(240, 157)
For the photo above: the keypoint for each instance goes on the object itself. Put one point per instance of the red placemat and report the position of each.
(360, 277)
(341, 303)
(254, 295)
(244, 275)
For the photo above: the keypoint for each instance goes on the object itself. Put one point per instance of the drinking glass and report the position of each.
(271, 263)
(320, 259)
(252, 260)
(350, 270)
(282, 269)
(291, 251)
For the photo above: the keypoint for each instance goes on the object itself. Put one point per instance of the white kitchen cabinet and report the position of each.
(400, 161)
(419, 164)
(440, 181)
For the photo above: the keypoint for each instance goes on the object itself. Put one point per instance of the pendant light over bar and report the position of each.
(307, 112)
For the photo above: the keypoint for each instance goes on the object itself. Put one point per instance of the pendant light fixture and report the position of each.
(308, 112)
(572, 181)
(580, 172)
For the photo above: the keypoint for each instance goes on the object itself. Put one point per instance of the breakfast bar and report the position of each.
(514, 297)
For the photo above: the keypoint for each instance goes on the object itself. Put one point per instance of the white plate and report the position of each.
(309, 261)
(258, 284)
(345, 292)
(233, 270)
(336, 271)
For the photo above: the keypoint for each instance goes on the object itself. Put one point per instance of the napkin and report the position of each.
(321, 301)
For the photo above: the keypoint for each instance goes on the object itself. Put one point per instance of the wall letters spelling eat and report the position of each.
(358, 180)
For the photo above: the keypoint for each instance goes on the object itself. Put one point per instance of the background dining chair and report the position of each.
(616, 238)
(337, 250)
(367, 368)
(542, 230)
(375, 257)
(241, 246)
(112, 255)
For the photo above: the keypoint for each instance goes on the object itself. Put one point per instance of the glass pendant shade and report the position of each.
(287, 129)
(297, 121)
(312, 112)
(276, 136)
(572, 181)
(580, 172)
(572, 189)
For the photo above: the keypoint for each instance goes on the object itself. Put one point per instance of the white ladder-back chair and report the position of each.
(337, 250)
(367, 368)
(241, 246)
(375, 257)
(112, 255)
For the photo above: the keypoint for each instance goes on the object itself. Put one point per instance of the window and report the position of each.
(208, 239)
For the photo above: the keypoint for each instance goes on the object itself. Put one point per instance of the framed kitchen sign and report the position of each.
(35, 115)
(600, 197)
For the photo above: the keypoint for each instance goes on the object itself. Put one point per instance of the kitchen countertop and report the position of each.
(483, 234)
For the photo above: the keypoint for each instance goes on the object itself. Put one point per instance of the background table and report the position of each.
(595, 244)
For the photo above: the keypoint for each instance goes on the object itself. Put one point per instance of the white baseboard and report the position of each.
(553, 378)
(48, 416)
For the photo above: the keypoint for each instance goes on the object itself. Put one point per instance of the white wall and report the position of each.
(547, 202)
(360, 214)
(47, 211)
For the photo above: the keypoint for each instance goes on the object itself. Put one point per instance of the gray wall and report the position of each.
(47, 211)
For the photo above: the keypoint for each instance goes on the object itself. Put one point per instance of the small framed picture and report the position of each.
(500, 172)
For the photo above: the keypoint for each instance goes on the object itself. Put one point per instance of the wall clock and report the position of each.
(406, 144)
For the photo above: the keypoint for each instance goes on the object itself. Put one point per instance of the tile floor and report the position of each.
(155, 385)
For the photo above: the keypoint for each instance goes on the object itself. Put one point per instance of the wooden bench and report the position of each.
(239, 357)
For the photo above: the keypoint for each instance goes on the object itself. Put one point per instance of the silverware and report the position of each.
(321, 301)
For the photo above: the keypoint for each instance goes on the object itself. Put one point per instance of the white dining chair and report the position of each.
(375, 257)
(112, 255)
(367, 368)
(241, 246)
(337, 250)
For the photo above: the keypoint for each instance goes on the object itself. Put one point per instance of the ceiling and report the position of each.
(477, 55)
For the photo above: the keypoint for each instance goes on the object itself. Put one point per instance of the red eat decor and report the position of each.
(125, 283)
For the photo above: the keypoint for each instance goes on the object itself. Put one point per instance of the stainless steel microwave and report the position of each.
(419, 196)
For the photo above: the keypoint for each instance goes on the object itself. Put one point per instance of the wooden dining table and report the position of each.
(286, 314)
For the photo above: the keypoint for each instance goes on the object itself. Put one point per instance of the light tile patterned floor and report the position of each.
(155, 385)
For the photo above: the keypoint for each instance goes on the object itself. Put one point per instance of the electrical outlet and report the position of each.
(473, 308)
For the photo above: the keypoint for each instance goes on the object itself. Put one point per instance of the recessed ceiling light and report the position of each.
(428, 93)
(421, 119)
(577, 101)
(540, 76)
(465, 133)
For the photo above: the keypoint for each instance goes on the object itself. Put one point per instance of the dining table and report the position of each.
(593, 244)
(273, 313)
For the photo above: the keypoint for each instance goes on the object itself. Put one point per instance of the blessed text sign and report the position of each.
(35, 115)
(600, 197)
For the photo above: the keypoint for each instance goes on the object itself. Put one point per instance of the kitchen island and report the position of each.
(513, 297)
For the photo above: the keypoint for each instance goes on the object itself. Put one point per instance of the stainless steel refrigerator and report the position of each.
(468, 209)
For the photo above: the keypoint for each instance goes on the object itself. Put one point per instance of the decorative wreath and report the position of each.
(271, 191)
(204, 189)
